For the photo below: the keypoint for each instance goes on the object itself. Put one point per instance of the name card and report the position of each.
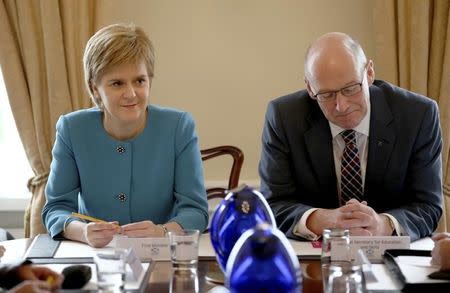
(374, 246)
(146, 248)
(135, 264)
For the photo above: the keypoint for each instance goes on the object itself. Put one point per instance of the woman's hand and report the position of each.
(148, 229)
(41, 278)
(31, 286)
(99, 234)
(441, 251)
(2, 250)
(142, 229)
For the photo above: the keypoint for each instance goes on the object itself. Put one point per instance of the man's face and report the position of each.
(348, 106)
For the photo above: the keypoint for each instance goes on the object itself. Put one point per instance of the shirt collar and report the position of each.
(363, 127)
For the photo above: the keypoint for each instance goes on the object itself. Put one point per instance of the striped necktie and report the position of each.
(351, 181)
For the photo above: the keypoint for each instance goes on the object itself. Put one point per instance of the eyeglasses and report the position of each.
(347, 91)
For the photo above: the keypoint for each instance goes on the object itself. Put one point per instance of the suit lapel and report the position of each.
(319, 146)
(381, 139)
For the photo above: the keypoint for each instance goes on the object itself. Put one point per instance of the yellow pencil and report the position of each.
(89, 218)
(92, 219)
(50, 280)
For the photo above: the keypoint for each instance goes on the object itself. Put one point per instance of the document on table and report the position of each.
(416, 269)
(146, 248)
(74, 249)
(303, 249)
(385, 280)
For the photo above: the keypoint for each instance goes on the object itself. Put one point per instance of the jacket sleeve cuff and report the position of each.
(398, 229)
(301, 229)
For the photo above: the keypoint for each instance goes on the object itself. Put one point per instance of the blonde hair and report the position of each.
(114, 45)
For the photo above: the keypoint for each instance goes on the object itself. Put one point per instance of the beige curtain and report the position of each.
(413, 51)
(41, 47)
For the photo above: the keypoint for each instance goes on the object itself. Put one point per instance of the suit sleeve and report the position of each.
(191, 207)
(276, 173)
(63, 183)
(424, 178)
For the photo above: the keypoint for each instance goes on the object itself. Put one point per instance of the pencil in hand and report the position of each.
(88, 218)
(92, 219)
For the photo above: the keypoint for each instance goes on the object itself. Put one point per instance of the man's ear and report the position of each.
(370, 72)
(308, 88)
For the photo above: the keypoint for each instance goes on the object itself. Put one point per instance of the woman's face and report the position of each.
(124, 91)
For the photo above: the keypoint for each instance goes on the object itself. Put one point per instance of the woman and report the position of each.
(135, 165)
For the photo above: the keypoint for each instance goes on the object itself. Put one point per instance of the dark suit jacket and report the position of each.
(403, 175)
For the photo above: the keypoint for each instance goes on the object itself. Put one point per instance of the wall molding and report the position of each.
(14, 203)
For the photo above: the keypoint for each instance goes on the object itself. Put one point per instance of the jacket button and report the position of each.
(120, 149)
(122, 197)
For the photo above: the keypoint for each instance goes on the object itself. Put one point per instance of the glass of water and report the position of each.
(346, 279)
(111, 269)
(184, 281)
(335, 251)
(184, 249)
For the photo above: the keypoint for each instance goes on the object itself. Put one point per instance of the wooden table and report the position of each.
(162, 276)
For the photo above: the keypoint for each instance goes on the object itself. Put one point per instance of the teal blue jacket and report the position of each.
(156, 176)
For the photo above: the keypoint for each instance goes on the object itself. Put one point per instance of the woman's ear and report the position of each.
(94, 89)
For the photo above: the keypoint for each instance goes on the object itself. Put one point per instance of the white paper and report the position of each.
(305, 248)
(68, 249)
(415, 270)
(134, 263)
(423, 244)
(374, 246)
(420, 261)
(386, 281)
(74, 249)
(154, 248)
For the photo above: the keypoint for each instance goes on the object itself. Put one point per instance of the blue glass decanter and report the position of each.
(263, 260)
(242, 209)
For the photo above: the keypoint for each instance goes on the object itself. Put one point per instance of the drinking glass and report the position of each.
(346, 279)
(184, 249)
(184, 281)
(335, 250)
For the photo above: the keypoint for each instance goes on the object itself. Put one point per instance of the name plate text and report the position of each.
(146, 248)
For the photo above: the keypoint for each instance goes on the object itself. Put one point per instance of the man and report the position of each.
(383, 178)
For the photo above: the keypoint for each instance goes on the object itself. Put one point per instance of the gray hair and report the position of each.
(347, 42)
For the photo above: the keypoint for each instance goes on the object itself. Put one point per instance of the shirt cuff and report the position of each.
(69, 219)
(398, 228)
(301, 229)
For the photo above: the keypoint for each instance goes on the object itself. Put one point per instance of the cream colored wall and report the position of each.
(223, 60)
